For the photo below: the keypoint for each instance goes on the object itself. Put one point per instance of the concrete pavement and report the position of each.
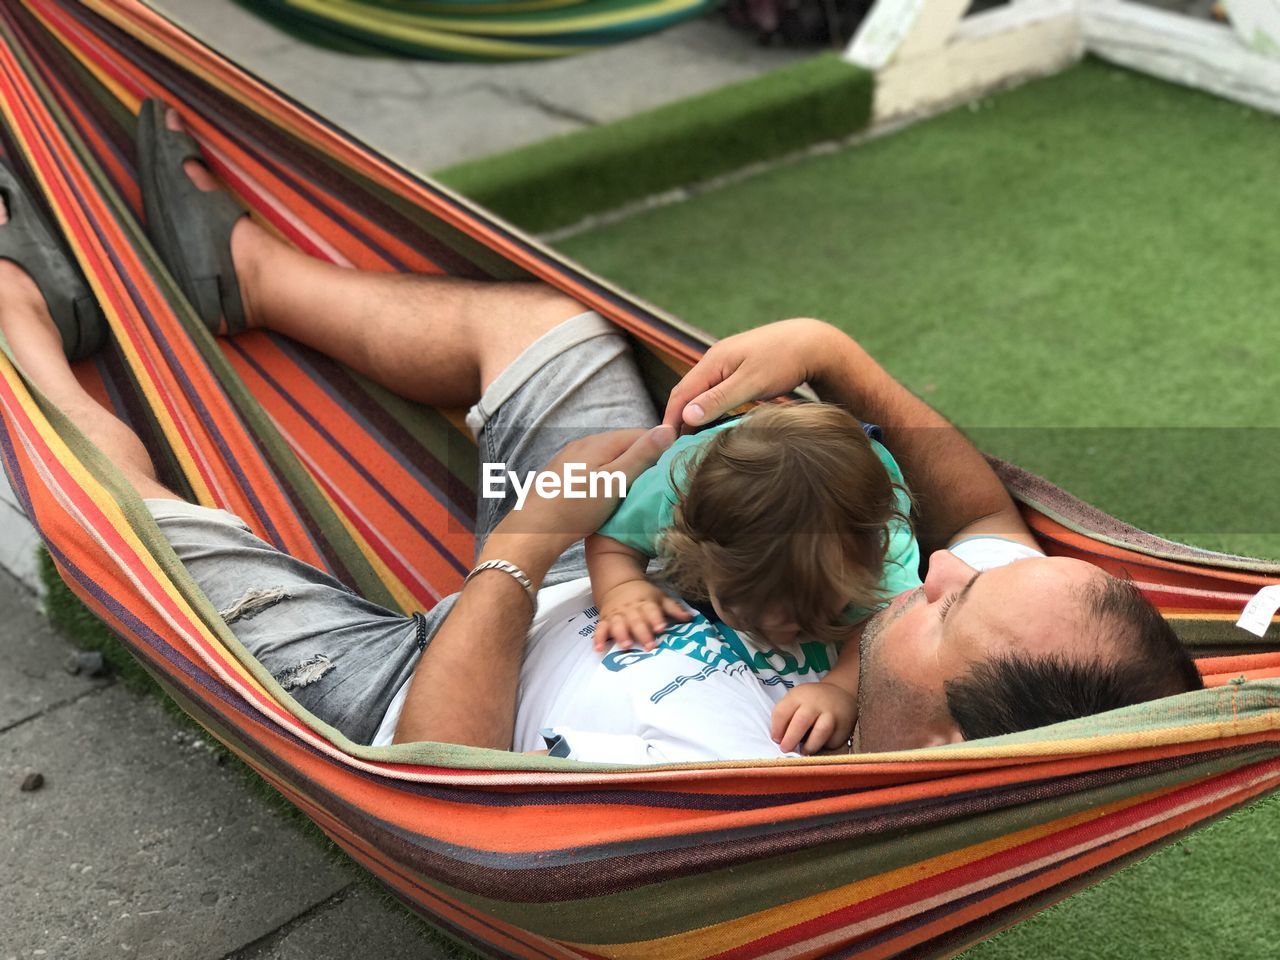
(140, 843)
(432, 115)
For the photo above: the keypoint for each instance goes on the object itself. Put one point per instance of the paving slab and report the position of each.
(426, 116)
(7, 494)
(317, 74)
(432, 140)
(693, 58)
(32, 660)
(430, 115)
(139, 844)
(240, 34)
(346, 927)
(19, 544)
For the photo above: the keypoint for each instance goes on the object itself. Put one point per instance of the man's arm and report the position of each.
(465, 684)
(958, 492)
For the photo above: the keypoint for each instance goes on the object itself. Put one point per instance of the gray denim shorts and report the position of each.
(342, 657)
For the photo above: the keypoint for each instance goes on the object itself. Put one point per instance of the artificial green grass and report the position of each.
(1082, 273)
(560, 181)
(1211, 894)
(1088, 253)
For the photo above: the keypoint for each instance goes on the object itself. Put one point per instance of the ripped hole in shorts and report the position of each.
(305, 673)
(253, 603)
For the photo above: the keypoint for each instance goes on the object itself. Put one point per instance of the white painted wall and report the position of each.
(18, 540)
(927, 56)
(1207, 56)
(1258, 24)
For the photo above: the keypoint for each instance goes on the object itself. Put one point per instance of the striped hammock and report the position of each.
(474, 30)
(875, 855)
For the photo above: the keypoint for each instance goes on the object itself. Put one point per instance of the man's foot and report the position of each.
(39, 282)
(203, 234)
(251, 244)
(195, 169)
(17, 289)
(24, 315)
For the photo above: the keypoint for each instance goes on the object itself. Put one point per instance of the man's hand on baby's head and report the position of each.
(759, 364)
(635, 612)
(814, 716)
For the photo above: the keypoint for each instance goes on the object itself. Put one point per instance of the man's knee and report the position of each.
(531, 311)
(548, 307)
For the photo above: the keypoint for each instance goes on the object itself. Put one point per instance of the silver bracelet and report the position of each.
(509, 568)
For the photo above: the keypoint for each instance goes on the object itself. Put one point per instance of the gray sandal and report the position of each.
(190, 227)
(28, 241)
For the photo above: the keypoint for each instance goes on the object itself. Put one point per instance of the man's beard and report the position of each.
(869, 643)
(879, 623)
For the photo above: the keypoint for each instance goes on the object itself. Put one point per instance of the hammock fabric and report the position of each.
(922, 852)
(478, 30)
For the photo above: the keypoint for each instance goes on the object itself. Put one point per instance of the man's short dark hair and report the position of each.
(1012, 692)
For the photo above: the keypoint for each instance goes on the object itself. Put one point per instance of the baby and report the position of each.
(790, 521)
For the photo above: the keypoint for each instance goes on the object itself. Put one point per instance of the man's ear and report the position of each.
(942, 734)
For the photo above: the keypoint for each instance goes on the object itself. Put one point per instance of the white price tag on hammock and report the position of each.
(1259, 611)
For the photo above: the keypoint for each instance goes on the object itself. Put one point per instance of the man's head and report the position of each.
(1035, 642)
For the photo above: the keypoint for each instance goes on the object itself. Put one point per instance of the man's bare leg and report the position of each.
(438, 340)
(37, 348)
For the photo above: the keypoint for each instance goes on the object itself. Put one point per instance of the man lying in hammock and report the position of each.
(998, 638)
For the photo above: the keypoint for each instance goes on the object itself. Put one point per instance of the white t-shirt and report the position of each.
(707, 692)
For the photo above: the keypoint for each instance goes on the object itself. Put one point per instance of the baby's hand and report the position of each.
(820, 714)
(633, 612)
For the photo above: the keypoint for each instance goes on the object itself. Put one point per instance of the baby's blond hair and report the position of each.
(786, 512)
